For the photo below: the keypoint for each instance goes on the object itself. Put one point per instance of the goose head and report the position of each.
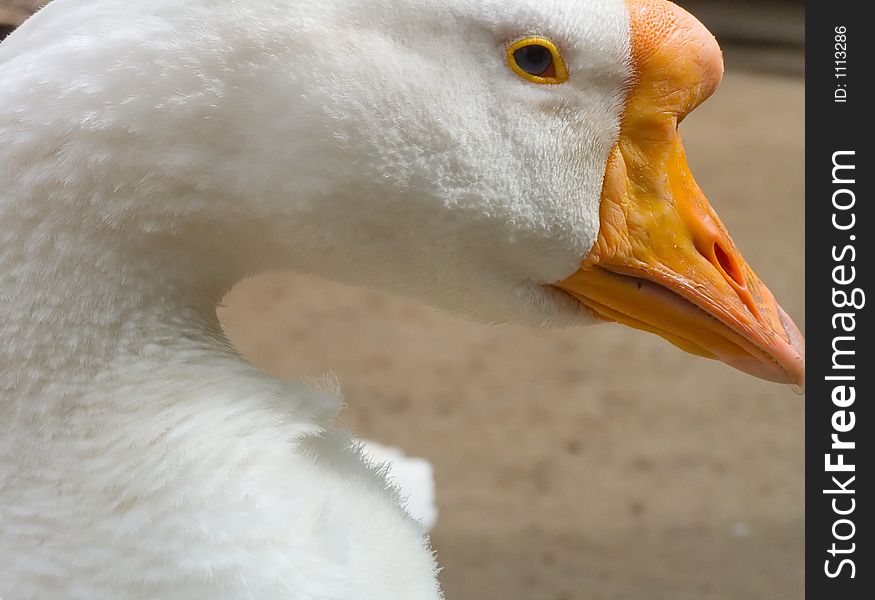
(509, 161)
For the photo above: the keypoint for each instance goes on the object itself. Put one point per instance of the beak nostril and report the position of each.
(728, 266)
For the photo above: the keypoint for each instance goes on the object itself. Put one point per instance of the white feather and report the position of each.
(155, 153)
(413, 477)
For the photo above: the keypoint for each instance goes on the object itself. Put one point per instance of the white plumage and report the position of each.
(154, 153)
(157, 152)
(412, 476)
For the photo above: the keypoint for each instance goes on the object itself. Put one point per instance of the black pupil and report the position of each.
(534, 59)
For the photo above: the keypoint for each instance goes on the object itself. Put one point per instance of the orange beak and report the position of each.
(663, 261)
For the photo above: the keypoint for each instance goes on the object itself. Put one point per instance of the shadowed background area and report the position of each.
(596, 463)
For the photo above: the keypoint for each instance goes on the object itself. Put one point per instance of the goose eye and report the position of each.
(534, 59)
(537, 60)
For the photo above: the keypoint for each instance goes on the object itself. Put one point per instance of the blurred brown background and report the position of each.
(14, 12)
(595, 463)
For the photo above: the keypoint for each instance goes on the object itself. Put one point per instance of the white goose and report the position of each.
(507, 160)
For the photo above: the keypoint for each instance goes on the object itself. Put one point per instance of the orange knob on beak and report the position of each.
(663, 261)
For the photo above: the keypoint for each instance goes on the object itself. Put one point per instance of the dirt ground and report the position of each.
(592, 463)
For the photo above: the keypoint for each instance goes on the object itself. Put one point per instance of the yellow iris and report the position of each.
(537, 59)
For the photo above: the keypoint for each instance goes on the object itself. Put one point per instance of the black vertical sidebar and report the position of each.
(840, 480)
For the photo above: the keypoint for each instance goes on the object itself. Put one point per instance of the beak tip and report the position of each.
(796, 342)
